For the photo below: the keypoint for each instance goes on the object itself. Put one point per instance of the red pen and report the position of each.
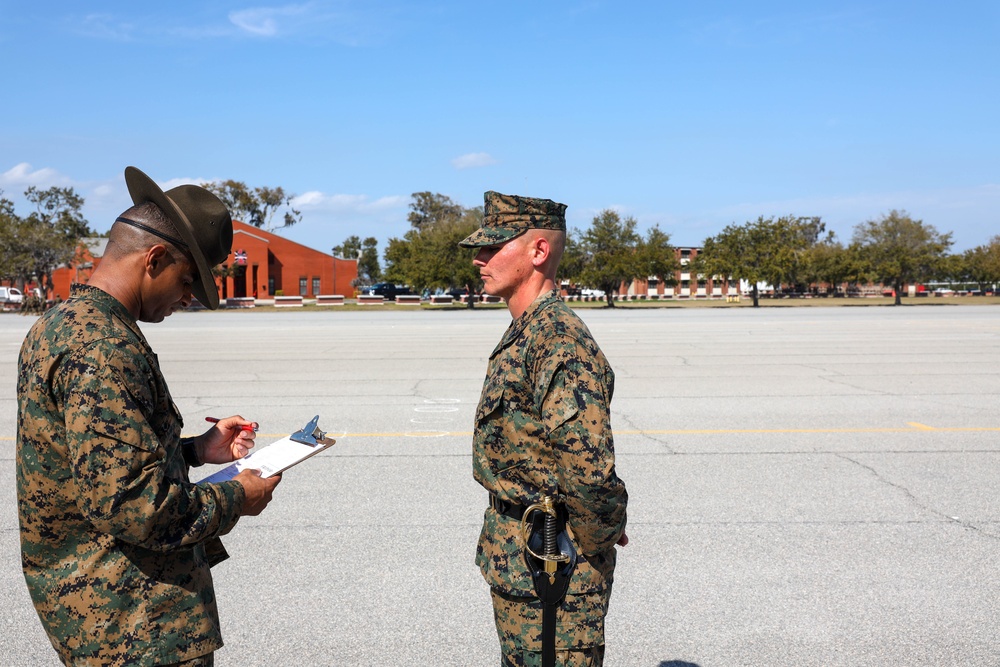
(243, 427)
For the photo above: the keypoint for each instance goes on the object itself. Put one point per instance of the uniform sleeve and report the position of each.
(573, 396)
(122, 469)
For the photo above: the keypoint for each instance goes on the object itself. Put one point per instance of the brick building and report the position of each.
(688, 284)
(260, 265)
(88, 256)
(263, 264)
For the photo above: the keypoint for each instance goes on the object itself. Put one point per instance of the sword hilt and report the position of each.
(551, 556)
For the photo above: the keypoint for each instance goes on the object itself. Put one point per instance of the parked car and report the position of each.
(388, 291)
(11, 295)
(592, 292)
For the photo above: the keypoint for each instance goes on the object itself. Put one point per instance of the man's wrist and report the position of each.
(189, 448)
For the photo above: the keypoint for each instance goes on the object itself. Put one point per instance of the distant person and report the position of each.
(116, 542)
(543, 447)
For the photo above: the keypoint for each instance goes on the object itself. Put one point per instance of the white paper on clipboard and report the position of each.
(278, 456)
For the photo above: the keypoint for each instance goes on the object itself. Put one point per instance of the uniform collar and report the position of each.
(106, 303)
(542, 301)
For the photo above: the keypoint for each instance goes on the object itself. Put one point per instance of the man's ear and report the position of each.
(540, 250)
(156, 259)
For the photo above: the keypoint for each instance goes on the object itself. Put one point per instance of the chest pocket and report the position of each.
(491, 400)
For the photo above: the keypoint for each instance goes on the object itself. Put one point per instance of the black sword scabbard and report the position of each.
(551, 558)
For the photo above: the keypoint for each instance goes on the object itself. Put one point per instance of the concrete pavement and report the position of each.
(809, 486)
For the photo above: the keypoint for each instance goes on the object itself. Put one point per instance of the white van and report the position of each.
(10, 295)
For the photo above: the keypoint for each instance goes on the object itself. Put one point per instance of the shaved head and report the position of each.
(125, 239)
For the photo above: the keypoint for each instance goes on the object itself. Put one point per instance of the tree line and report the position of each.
(894, 250)
(789, 253)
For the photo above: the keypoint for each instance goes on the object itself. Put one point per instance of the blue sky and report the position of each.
(687, 115)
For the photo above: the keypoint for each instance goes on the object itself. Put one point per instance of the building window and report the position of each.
(315, 286)
(303, 286)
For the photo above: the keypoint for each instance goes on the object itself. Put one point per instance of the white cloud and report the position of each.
(105, 26)
(342, 203)
(22, 176)
(264, 21)
(473, 160)
(174, 182)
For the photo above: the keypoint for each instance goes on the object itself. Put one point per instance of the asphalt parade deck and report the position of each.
(809, 487)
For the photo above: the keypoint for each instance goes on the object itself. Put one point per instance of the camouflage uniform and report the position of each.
(543, 427)
(116, 543)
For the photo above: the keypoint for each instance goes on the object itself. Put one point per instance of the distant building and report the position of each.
(260, 265)
(688, 285)
(263, 264)
(88, 256)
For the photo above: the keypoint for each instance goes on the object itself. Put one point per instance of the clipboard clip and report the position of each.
(310, 434)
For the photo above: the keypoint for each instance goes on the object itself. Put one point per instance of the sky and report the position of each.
(686, 115)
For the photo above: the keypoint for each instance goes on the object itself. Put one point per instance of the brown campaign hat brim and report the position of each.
(211, 212)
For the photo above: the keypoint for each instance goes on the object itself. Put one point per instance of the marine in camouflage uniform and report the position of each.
(116, 543)
(543, 428)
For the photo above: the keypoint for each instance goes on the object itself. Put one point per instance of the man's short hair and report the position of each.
(141, 227)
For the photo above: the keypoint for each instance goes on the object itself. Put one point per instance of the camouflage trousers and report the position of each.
(579, 629)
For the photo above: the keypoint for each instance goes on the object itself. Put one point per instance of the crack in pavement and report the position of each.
(913, 499)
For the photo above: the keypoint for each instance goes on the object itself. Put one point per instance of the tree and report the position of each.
(657, 258)
(428, 208)
(983, 264)
(767, 250)
(10, 262)
(830, 262)
(349, 249)
(610, 252)
(366, 252)
(60, 209)
(896, 250)
(35, 245)
(428, 255)
(256, 206)
(368, 265)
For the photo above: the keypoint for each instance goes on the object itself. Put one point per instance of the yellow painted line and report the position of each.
(912, 427)
(921, 427)
(807, 430)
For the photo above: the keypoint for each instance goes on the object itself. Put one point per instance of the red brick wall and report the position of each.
(269, 256)
(285, 263)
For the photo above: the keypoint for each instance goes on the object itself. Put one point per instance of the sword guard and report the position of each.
(546, 506)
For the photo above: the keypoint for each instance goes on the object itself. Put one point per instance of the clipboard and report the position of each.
(279, 456)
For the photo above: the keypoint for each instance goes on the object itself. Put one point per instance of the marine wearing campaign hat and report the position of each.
(202, 221)
(508, 216)
(116, 542)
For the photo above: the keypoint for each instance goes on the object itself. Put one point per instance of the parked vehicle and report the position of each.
(388, 291)
(11, 295)
(592, 292)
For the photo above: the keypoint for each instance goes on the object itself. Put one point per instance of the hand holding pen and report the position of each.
(251, 426)
(230, 440)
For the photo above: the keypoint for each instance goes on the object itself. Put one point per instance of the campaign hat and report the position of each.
(508, 216)
(202, 221)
